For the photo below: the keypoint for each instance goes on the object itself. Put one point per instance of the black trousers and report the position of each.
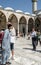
(34, 43)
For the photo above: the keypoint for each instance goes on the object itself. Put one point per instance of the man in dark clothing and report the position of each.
(23, 31)
(34, 39)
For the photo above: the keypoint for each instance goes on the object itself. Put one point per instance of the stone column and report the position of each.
(26, 29)
(6, 19)
(18, 28)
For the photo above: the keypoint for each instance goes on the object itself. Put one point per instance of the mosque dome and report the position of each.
(27, 13)
(9, 9)
(20, 11)
(1, 7)
(33, 15)
(39, 13)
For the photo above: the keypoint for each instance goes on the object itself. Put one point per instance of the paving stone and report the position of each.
(24, 54)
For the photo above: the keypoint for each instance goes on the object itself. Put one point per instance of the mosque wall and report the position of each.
(19, 20)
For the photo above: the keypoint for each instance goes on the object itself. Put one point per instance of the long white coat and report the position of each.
(6, 40)
(6, 46)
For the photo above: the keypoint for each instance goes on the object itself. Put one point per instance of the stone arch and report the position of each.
(13, 19)
(2, 20)
(30, 24)
(38, 24)
(22, 24)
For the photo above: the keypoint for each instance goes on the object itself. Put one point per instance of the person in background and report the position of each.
(12, 40)
(34, 39)
(39, 36)
(16, 32)
(1, 35)
(24, 32)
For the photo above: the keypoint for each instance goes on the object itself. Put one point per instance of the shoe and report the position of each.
(34, 49)
(8, 62)
(3, 64)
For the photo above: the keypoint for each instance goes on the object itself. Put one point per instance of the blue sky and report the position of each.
(24, 5)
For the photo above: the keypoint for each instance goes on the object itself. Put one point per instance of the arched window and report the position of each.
(38, 24)
(30, 24)
(2, 20)
(13, 19)
(22, 24)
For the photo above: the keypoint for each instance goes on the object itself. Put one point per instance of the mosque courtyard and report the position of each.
(24, 55)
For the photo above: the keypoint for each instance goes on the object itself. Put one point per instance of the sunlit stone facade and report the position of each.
(19, 20)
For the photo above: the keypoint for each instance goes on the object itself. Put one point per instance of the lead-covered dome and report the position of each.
(39, 13)
(27, 13)
(9, 8)
(1, 7)
(19, 11)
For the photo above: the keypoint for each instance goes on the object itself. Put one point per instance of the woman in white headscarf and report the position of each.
(6, 46)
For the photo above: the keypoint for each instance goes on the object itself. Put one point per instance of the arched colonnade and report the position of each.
(21, 23)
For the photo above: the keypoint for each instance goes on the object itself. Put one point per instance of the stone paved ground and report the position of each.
(24, 54)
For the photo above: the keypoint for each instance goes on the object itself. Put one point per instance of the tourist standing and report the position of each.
(12, 40)
(34, 38)
(40, 38)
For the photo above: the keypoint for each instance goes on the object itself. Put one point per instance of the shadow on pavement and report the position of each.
(32, 50)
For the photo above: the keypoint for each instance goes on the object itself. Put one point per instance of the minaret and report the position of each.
(34, 6)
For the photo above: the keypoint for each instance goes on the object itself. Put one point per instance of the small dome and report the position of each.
(27, 13)
(33, 15)
(9, 8)
(1, 7)
(39, 13)
(19, 11)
